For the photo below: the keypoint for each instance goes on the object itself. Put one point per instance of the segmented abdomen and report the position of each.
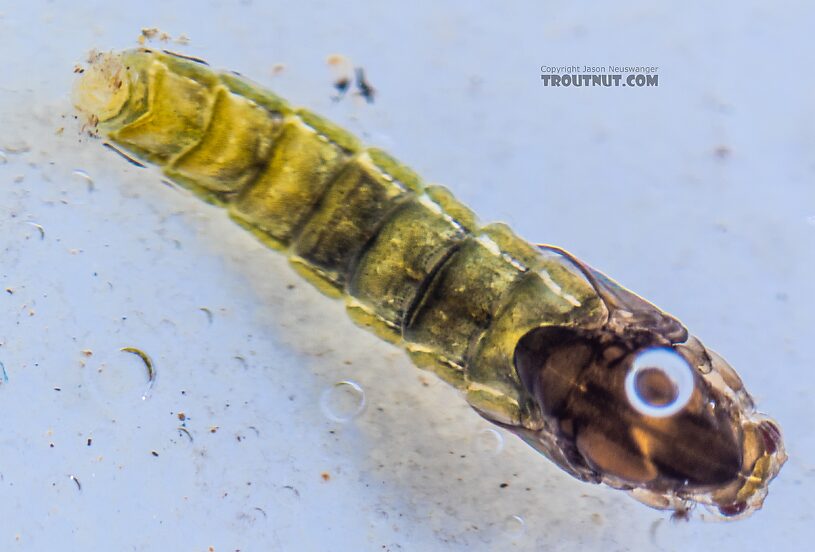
(411, 261)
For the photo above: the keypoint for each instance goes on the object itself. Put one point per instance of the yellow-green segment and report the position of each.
(411, 262)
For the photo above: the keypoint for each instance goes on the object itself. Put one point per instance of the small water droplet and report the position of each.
(39, 228)
(83, 176)
(514, 526)
(117, 380)
(15, 146)
(488, 441)
(343, 401)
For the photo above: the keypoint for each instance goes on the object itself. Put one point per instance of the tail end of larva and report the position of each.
(103, 88)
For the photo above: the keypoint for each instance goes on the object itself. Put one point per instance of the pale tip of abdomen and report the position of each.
(103, 89)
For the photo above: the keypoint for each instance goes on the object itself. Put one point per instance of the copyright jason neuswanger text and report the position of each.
(637, 76)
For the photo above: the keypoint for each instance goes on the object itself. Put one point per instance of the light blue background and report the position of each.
(628, 179)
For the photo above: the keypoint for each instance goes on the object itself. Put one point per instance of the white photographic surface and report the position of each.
(697, 194)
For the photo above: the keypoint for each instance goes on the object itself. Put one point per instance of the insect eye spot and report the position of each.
(655, 387)
(659, 382)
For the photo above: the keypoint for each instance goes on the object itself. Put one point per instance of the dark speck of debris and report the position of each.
(722, 152)
(154, 453)
(363, 86)
(341, 86)
(208, 313)
(262, 511)
(504, 485)
(90, 441)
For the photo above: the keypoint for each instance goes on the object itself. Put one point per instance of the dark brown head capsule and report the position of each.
(637, 412)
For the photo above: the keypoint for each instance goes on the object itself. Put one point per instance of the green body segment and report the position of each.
(411, 262)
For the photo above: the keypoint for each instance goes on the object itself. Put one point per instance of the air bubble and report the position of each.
(659, 382)
(118, 380)
(39, 228)
(343, 401)
(514, 526)
(82, 176)
(488, 442)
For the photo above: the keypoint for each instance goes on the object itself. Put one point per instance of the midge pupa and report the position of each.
(604, 384)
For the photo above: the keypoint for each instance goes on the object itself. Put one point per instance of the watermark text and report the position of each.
(637, 76)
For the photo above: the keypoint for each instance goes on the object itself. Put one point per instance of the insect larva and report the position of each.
(591, 375)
